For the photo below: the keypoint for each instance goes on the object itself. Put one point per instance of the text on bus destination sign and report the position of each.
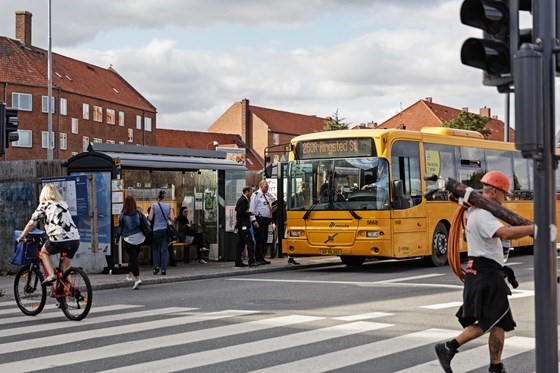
(335, 147)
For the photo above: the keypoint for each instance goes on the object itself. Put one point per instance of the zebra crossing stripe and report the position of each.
(363, 316)
(58, 313)
(88, 321)
(355, 355)
(16, 310)
(224, 354)
(476, 358)
(121, 330)
(7, 303)
(135, 346)
(443, 305)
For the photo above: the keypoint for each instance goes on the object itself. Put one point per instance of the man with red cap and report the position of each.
(485, 306)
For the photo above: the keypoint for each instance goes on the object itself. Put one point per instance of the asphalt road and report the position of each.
(380, 317)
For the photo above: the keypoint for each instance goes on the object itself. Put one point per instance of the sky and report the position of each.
(192, 59)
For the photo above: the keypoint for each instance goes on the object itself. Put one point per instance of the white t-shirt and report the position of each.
(480, 226)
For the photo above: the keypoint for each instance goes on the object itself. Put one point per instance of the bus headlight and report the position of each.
(296, 233)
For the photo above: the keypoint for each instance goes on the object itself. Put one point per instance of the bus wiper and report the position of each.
(356, 216)
(306, 215)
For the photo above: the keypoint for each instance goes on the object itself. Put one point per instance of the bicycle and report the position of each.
(72, 289)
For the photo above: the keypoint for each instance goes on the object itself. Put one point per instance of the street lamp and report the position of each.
(213, 143)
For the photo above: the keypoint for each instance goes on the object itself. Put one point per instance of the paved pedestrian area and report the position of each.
(189, 271)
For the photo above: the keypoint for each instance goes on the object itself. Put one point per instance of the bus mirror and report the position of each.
(268, 171)
(398, 191)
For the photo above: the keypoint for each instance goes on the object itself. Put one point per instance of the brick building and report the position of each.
(425, 113)
(89, 103)
(262, 127)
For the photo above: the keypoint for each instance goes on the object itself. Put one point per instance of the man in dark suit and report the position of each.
(243, 225)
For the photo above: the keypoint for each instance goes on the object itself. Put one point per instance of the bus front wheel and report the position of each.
(439, 246)
(352, 261)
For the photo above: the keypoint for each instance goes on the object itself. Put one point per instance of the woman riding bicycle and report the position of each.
(62, 234)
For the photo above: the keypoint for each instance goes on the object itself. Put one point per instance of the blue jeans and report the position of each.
(159, 249)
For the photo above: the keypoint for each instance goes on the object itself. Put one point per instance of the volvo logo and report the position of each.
(330, 238)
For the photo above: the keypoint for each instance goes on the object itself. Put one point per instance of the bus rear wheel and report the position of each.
(439, 246)
(352, 261)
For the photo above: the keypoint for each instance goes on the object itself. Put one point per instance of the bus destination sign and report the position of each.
(335, 148)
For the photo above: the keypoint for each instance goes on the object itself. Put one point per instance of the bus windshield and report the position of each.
(339, 184)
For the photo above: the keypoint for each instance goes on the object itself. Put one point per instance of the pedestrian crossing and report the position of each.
(107, 339)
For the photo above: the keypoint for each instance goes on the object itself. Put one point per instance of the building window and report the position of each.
(138, 122)
(121, 142)
(25, 139)
(85, 109)
(110, 141)
(45, 102)
(148, 124)
(110, 116)
(45, 140)
(63, 141)
(130, 135)
(276, 138)
(97, 113)
(85, 143)
(121, 118)
(63, 106)
(97, 140)
(22, 101)
(75, 125)
(74, 153)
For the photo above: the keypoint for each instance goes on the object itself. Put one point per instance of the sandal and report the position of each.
(49, 280)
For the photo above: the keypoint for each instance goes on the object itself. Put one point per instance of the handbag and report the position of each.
(135, 239)
(146, 228)
(26, 252)
(189, 239)
(171, 231)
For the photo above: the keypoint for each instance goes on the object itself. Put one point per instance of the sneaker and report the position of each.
(264, 261)
(499, 369)
(445, 354)
(204, 249)
(136, 284)
(240, 264)
(293, 262)
(163, 273)
(156, 270)
(202, 261)
(129, 278)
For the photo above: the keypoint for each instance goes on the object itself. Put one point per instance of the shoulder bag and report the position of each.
(171, 231)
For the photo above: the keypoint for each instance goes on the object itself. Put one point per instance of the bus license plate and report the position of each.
(330, 251)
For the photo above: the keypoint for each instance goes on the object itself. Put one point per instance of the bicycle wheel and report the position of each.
(77, 304)
(30, 295)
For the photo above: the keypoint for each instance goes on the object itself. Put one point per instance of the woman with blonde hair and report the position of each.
(62, 233)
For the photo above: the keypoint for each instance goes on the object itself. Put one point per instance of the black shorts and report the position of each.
(68, 247)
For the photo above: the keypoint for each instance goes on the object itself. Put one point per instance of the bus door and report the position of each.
(409, 223)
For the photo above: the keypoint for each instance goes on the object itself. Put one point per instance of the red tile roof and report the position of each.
(426, 113)
(28, 65)
(288, 123)
(203, 140)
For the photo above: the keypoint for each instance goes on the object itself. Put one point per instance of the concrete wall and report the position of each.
(19, 193)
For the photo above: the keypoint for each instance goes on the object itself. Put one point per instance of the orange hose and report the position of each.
(454, 244)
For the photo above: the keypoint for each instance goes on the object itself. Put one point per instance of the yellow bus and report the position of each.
(357, 194)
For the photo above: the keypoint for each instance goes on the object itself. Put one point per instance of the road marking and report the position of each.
(135, 346)
(117, 330)
(87, 321)
(52, 315)
(264, 346)
(442, 305)
(363, 316)
(468, 360)
(355, 355)
(515, 294)
(17, 310)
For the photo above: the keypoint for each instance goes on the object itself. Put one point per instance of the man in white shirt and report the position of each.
(262, 208)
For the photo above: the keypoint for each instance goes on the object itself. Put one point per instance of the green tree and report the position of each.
(335, 123)
(469, 121)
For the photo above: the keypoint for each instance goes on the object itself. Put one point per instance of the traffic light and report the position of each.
(11, 126)
(499, 21)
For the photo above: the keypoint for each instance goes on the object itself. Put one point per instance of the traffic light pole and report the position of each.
(546, 319)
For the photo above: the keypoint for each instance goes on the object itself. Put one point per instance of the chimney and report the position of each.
(494, 117)
(246, 135)
(465, 109)
(23, 27)
(429, 99)
(485, 112)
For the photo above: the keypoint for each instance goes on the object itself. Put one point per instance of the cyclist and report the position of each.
(62, 234)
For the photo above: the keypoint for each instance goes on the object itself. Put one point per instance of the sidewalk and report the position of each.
(188, 272)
